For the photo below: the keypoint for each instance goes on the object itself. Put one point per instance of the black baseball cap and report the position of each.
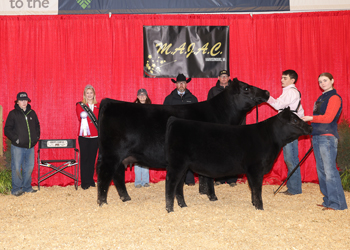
(142, 91)
(224, 72)
(22, 96)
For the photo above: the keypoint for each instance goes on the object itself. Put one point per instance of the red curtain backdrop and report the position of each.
(53, 58)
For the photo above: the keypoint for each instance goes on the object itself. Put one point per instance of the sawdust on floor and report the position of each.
(65, 218)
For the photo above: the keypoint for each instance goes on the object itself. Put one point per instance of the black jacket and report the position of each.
(175, 99)
(22, 127)
(216, 89)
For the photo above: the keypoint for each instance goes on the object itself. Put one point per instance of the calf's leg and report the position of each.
(203, 187)
(119, 183)
(211, 191)
(255, 184)
(206, 186)
(172, 181)
(180, 191)
(105, 172)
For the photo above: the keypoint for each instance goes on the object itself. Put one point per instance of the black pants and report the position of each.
(88, 152)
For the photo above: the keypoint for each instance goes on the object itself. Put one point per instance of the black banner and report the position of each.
(195, 51)
(161, 6)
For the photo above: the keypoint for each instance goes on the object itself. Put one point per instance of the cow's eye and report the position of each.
(246, 89)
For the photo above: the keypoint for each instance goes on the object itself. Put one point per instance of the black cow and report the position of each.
(133, 133)
(217, 150)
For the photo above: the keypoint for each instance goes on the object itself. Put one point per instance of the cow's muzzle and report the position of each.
(263, 98)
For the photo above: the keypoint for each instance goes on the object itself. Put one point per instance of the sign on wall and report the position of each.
(195, 51)
(78, 7)
(29, 7)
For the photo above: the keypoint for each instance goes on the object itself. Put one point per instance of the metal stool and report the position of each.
(54, 144)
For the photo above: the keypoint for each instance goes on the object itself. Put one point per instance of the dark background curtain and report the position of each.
(53, 58)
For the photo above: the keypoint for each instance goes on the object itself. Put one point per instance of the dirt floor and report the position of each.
(63, 218)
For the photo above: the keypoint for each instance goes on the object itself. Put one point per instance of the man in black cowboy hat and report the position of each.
(181, 95)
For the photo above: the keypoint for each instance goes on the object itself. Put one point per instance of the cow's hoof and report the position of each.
(100, 203)
(203, 190)
(259, 208)
(182, 204)
(170, 210)
(125, 198)
(213, 198)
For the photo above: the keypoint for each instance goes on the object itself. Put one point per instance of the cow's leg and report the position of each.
(180, 191)
(105, 172)
(119, 183)
(203, 187)
(206, 186)
(170, 187)
(174, 187)
(211, 190)
(255, 184)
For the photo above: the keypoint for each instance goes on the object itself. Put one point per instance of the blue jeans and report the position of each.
(325, 151)
(22, 164)
(141, 175)
(290, 154)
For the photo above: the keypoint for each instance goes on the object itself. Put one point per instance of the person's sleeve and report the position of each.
(284, 100)
(37, 126)
(9, 128)
(79, 109)
(333, 106)
(210, 94)
(166, 101)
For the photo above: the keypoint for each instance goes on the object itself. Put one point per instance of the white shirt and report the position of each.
(290, 98)
(91, 106)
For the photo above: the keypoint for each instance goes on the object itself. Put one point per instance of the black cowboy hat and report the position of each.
(181, 78)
